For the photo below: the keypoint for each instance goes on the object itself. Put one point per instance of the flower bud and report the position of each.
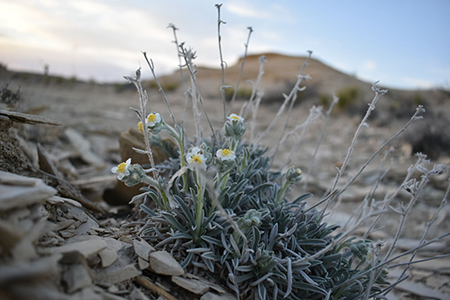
(293, 175)
(251, 218)
(235, 126)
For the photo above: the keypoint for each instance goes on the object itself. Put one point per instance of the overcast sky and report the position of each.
(402, 43)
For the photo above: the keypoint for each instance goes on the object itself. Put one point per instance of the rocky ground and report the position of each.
(69, 234)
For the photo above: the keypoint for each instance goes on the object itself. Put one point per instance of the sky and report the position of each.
(403, 43)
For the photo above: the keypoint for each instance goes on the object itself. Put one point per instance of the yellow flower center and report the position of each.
(226, 152)
(151, 118)
(140, 126)
(122, 168)
(196, 159)
(235, 118)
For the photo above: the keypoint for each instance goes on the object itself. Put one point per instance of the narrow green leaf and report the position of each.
(187, 212)
(261, 280)
(242, 278)
(245, 268)
(260, 187)
(148, 211)
(211, 256)
(187, 260)
(262, 292)
(312, 242)
(302, 198)
(198, 250)
(174, 222)
(308, 287)
(211, 240)
(182, 235)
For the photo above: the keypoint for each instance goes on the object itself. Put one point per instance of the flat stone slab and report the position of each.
(27, 118)
(161, 262)
(108, 257)
(142, 248)
(76, 278)
(117, 275)
(195, 286)
(20, 191)
(83, 147)
(212, 296)
(86, 248)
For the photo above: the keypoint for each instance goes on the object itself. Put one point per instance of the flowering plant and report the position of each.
(220, 208)
(228, 215)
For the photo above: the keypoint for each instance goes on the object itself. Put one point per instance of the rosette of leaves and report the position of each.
(288, 251)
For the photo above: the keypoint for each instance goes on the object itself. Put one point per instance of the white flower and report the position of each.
(196, 150)
(235, 118)
(225, 154)
(195, 157)
(153, 119)
(197, 160)
(122, 169)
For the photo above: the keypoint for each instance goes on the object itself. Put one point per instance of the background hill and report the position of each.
(281, 73)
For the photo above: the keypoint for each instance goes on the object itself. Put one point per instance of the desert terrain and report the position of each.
(86, 145)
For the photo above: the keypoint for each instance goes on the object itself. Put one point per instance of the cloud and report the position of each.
(243, 9)
(419, 82)
(74, 35)
(369, 65)
(247, 10)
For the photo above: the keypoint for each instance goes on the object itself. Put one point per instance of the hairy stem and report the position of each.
(196, 95)
(183, 83)
(429, 224)
(363, 124)
(240, 71)
(152, 68)
(287, 99)
(322, 135)
(222, 63)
